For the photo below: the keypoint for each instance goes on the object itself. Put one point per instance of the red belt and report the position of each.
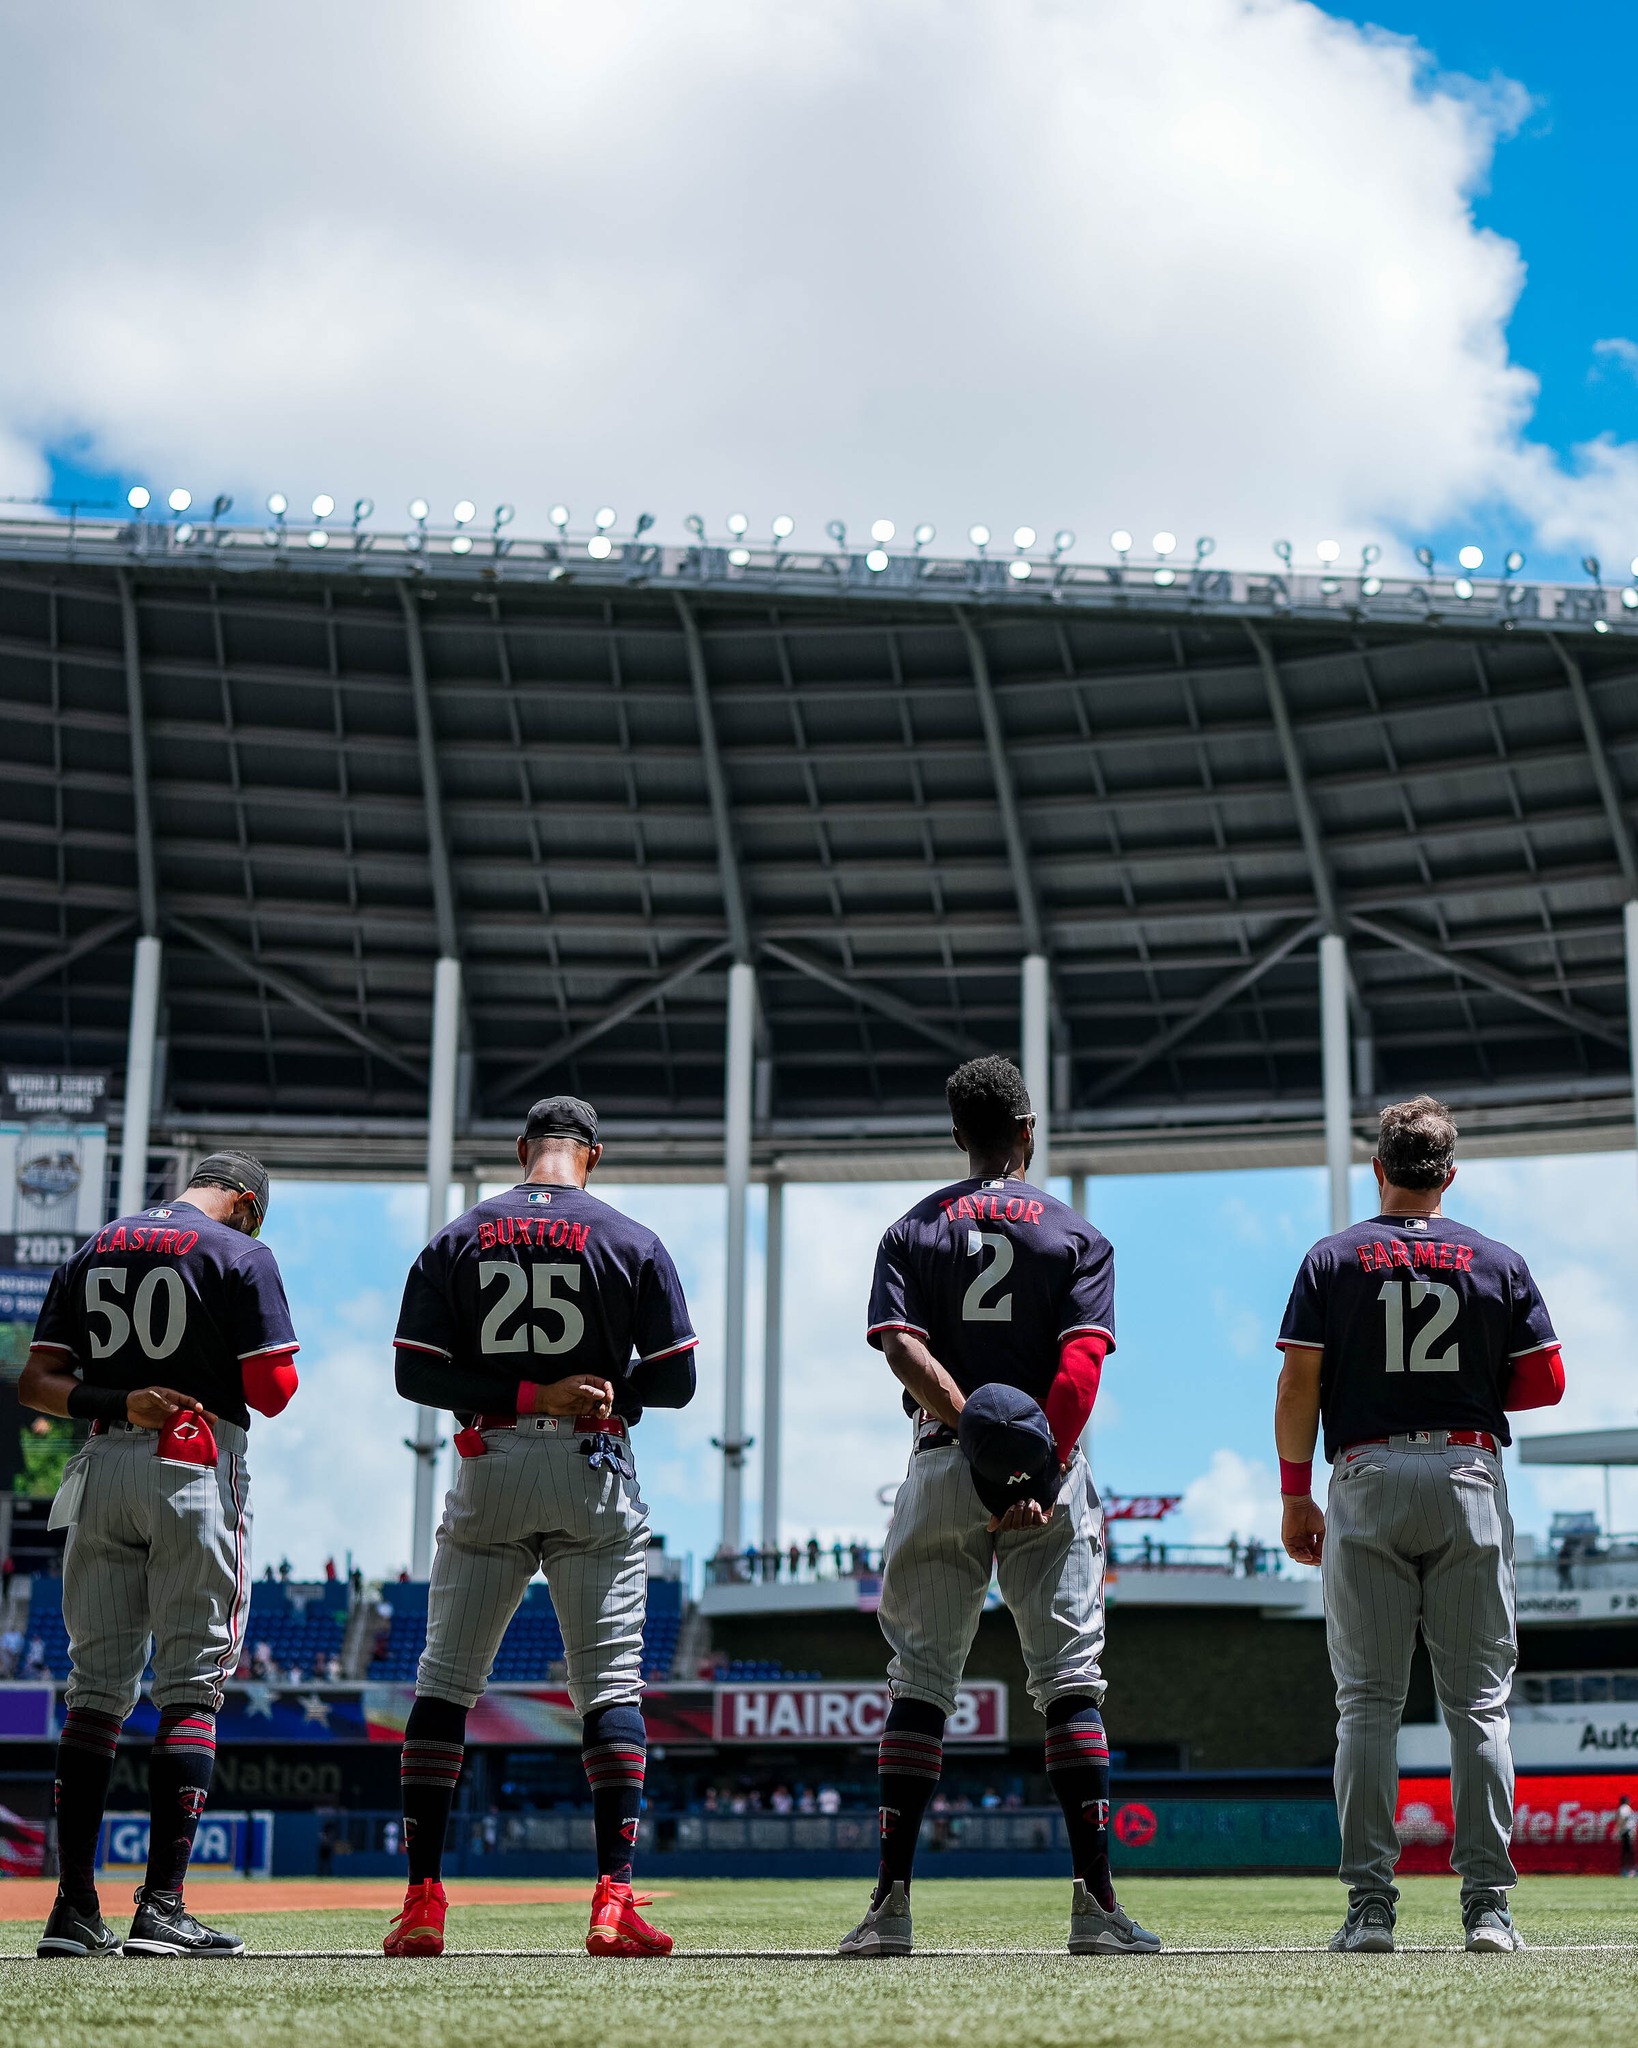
(586, 1425)
(1460, 1439)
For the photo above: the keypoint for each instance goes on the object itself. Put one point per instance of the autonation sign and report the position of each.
(816, 1712)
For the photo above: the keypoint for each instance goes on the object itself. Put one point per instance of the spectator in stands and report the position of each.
(34, 1664)
(284, 1571)
(836, 1557)
(711, 1803)
(355, 1583)
(805, 1801)
(1254, 1557)
(8, 1571)
(991, 1799)
(780, 1800)
(11, 1650)
(830, 1800)
(813, 1556)
(793, 1558)
(330, 1572)
(332, 1669)
(267, 1574)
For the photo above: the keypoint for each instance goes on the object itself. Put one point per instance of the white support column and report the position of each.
(1629, 917)
(1036, 1007)
(139, 1075)
(446, 1042)
(1337, 1080)
(736, 1118)
(772, 1361)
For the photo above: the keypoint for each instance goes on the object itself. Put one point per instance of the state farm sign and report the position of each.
(1560, 1823)
(815, 1712)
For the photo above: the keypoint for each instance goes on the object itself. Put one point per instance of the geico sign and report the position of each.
(844, 1713)
(126, 1843)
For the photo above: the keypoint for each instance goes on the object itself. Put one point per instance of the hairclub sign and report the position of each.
(813, 1711)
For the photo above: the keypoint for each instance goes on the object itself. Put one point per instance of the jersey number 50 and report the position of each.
(1422, 1359)
(156, 1281)
(515, 1283)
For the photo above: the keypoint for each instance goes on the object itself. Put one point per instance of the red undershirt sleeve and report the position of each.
(1538, 1380)
(1069, 1401)
(269, 1381)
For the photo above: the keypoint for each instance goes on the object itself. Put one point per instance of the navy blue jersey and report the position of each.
(169, 1298)
(538, 1283)
(994, 1274)
(1422, 1320)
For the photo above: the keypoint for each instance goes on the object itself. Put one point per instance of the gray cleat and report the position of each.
(1096, 1932)
(1368, 1929)
(884, 1930)
(1490, 1929)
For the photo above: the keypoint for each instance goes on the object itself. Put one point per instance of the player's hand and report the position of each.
(1302, 1528)
(154, 1407)
(582, 1393)
(1023, 1514)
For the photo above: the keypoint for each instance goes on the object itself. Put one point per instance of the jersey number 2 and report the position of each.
(514, 1286)
(1392, 1298)
(980, 1303)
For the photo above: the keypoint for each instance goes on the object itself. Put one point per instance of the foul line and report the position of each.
(826, 1955)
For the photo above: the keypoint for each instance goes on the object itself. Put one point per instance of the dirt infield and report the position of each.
(26, 1898)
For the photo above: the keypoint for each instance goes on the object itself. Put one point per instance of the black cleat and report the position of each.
(69, 1932)
(164, 1927)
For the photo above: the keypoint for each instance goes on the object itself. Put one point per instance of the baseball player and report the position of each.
(163, 1331)
(994, 1307)
(522, 1317)
(1410, 1337)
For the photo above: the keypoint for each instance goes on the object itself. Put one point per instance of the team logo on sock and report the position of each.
(628, 1830)
(409, 1830)
(886, 1815)
(191, 1799)
(1097, 1811)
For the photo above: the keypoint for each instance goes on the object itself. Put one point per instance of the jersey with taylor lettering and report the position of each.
(537, 1284)
(170, 1298)
(1421, 1321)
(994, 1274)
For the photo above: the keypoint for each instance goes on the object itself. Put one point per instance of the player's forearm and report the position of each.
(1297, 1418)
(45, 1383)
(922, 1377)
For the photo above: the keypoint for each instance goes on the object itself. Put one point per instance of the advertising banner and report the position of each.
(227, 1845)
(1562, 1822)
(1559, 1736)
(814, 1711)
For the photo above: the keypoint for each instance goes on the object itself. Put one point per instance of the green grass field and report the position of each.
(1012, 1993)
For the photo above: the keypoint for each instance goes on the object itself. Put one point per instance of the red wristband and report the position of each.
(526, 1397)
(1296, 1477)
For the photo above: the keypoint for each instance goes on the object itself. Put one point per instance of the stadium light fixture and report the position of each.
(220, 506)
(1203, 547)
(926, 533)
(1514, 561)
(1371, 587)
(1165, 578)
(738, 525)
(139, 497)
(1425, 556)
(1592, 566)
(1329, 550)
(179, 500)
(882, 531)
(644, 521)
(278, 504)
(1634, 567)
(184, 533)
(1283, 551)
(694, 523)
(418, 510)
(1369, 554)
(1629, 599)
(1023, 537)
(739, 558)
(362, 508)
(1601, 625)
(559, 516)
(1121, 541)
(1471, 558)
(604, 517)
(837, 529)
(979, 536)
(876, 560)
(1019, 570)
(465, 512)
(1062, 541)
(504, 515)
(600, 547)
(1164, 544)
(323, 505)
(318, 538)
(784, 526)
(1463, 588)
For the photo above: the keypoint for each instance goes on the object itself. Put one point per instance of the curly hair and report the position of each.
(1417, 1143)
(987, 1099)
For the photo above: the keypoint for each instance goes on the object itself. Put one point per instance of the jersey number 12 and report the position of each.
(1422, 1359)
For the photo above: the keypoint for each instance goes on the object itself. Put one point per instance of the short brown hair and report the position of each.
(1417, 1143)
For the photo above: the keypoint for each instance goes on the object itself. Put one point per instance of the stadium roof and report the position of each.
(882, 784)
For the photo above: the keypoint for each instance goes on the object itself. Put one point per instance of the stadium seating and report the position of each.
(532, 1644)
(45, 1621)
(301, 1625)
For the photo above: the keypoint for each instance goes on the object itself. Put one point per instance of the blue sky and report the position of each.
(1204, 1264)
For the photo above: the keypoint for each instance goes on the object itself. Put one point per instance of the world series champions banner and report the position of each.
(53, 1194)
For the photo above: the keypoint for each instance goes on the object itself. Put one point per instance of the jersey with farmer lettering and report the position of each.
(994, 1275)
(170, 1298)
(537, 1284)
(1421, 1320)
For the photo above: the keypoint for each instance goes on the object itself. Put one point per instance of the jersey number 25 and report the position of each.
(515, 1284)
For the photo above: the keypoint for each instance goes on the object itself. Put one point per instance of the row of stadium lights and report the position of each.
(599, 547)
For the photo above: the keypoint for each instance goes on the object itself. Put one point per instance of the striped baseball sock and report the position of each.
(180, 1765)
(910, 1758)
(428, 1771)
(85, 1764)
(614, 1750)
(1077, 1762)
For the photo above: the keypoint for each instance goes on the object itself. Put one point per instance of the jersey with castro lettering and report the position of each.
(169, 1298)
(994, 1274)
(1421, 1320)
(536, 1284)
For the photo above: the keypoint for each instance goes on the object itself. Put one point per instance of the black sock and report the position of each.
(910, 1758)
(614, 1750)
(428, 1771)
(180, 1766)
(85, 1763)
(1077, 1761)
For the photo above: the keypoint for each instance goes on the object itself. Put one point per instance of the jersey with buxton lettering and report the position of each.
(537, 1284)
(994, 1275)
(1421, 1321)
(170, 1298)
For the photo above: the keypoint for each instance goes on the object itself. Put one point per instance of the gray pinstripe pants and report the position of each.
(1419, 1532)
(156, 1549)
(533, 1502)
(936, 1572)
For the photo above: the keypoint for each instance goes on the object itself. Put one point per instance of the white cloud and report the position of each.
(1234, 1496)
(1618, 351)
(1210, 265)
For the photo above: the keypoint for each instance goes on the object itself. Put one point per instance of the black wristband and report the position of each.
(98, 1404)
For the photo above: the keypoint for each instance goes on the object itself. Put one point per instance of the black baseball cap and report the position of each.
(1010, 1447)
(561, 1116)
(243, 1172)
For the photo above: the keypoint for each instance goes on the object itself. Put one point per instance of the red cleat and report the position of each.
(618, 1929)
(419, 1928)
